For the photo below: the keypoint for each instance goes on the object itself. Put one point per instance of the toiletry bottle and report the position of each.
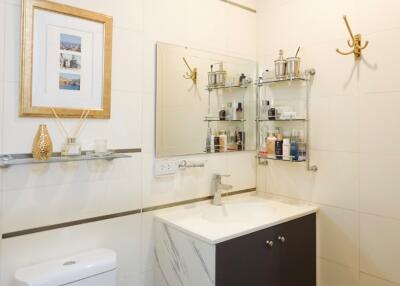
(241, 140)
(222, 113)
(212, 143)
(223, 141)
(239, 111)
(263, 140)
(302, 147)
(271, 140)
(294, 146)
(286, 149)
(242, 79)
(231, 141)
(216, 143)
(208, 140)
(264, 109)
(233, 112)
(278, 144)
(271, 112)
(228, 111)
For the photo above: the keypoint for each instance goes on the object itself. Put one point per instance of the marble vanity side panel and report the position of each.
(182, 260)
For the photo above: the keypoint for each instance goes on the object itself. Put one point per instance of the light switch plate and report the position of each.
(166, 167)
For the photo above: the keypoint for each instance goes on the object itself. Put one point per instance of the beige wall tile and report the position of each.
(332, 274)
(366, 280)
(338, 238)
(379, 184)
(380, 254)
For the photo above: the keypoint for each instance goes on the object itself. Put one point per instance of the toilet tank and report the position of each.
(93, 268)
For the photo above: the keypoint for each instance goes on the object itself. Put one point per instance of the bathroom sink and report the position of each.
(234, 212)
(237, 216)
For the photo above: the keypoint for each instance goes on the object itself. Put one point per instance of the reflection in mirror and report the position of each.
(205, 102)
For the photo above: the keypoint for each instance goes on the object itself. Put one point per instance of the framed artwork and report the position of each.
(65, 61)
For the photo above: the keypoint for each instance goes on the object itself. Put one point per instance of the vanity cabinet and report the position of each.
(282, 255)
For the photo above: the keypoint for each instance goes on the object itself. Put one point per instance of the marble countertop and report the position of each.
(239, 215)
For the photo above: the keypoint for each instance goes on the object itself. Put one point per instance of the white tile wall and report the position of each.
(380, 254)
(367, 280)
(32, 196)
(333, 274)
(354, 112)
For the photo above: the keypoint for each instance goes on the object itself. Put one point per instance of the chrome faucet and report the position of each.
(217, 186)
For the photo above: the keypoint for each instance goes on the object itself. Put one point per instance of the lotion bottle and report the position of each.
(271, 141)
(294, 146)
(286, 149)
(279, 144)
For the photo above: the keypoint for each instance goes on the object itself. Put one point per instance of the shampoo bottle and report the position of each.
(208, 140)
(286, 149)
(279, 144)
(233, 112)
(271, 141)
(294, 146)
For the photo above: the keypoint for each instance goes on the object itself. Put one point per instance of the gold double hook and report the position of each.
(354, 42)
(191, 74)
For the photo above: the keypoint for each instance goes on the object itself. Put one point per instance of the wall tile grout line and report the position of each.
(114, 215)
(239, 6)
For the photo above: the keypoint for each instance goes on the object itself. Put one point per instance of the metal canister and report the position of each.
(280, 66)
(212, 79)
(220, 78)
(293, 67)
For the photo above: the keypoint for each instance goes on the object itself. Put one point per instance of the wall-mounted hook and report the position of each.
(354, 42)
(191, 74)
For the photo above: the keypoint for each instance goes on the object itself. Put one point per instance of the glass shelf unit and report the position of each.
(228, 120)
(263, 158)
(210, 88)
(229, 96)
(284, 120)
(24, 159)
(271, 81)
(280, 158)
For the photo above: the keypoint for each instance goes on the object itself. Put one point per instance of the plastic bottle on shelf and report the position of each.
(278, 144)
(271, 141)
(233, 112)
(294, 146)
(223, 140)
(208, 140)
(286, 146)
(239, 111)
(302, 147)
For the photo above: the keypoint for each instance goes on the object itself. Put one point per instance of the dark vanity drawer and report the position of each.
(283, 255)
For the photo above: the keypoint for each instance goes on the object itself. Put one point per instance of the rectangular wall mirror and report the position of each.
(206, 102)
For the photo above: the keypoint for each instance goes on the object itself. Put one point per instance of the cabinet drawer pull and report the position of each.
(282, 239)
(269, 243)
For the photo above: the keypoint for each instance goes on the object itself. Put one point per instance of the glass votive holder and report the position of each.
(100, 146)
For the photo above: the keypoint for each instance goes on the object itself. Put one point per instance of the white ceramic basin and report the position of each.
(234, 212)
(239, 215)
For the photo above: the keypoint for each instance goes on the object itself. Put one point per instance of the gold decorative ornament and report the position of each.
(42, 147)
(354, 42)
(192, 73)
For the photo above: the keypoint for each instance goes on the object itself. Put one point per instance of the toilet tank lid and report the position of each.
(67, 270)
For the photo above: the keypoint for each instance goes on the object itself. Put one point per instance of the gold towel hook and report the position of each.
(191, 74)
(354, 42)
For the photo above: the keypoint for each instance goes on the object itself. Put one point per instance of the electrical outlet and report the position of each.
(166, 167)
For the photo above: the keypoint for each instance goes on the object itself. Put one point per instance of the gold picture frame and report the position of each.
(27, 45)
